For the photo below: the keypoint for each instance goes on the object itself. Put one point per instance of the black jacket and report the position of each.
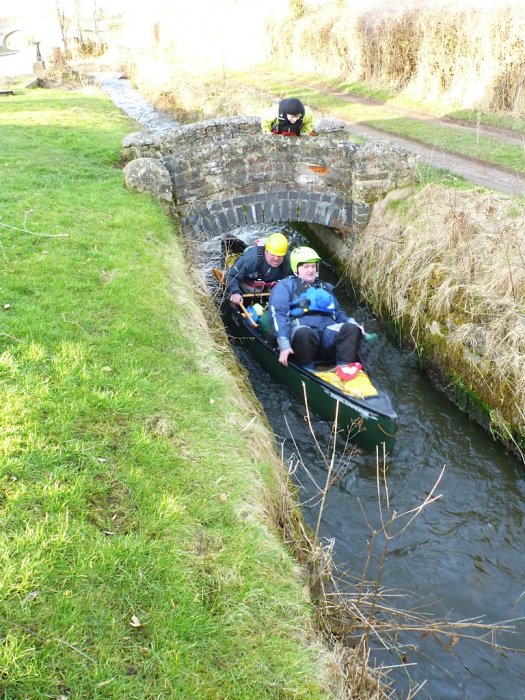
(251, 266)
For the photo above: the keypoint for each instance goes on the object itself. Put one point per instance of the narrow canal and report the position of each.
(462, 558)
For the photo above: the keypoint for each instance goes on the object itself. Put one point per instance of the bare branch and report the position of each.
(32, 233)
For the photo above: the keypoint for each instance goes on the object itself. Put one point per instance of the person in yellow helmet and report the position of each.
(308, 322)
(259, 267)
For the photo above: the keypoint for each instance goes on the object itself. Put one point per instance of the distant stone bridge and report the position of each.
(223, 174)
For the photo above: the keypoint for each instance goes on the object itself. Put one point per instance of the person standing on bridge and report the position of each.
(289, 118)
(258, 268)
(307, 320)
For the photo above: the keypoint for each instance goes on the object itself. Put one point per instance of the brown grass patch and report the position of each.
(452, 264)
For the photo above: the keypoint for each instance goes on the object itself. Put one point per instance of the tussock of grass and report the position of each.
(455, 260)
(464, 54)
(137, 556)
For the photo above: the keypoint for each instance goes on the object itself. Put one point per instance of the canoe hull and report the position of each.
(370, 421)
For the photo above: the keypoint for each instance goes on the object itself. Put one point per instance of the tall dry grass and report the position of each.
(450, 267)
(465, 54)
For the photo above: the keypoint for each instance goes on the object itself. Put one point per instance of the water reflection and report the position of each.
(462, 558)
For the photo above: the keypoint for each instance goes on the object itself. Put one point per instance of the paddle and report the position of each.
(248, 315)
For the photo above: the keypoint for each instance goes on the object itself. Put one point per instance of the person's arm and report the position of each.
(279, 305)
(308, 122)
(338, 313)
(233, 279)
(268, 119)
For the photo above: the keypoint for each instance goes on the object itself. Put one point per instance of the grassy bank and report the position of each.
(137, 550)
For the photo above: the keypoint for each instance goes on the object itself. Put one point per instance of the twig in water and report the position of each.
(328, 477)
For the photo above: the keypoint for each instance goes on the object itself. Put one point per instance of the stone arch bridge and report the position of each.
(223, 174)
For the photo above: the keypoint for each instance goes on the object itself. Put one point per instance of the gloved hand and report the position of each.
(313, 133)
(370, 336)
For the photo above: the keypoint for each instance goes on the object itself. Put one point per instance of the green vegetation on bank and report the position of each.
(136, 556)
(386, 117)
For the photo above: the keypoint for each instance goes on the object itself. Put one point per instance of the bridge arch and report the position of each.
(15, 39)
(224, 174)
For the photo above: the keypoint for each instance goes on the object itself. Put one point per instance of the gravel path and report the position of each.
(478, 172)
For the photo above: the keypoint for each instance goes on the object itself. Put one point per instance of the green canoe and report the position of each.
(370, 419)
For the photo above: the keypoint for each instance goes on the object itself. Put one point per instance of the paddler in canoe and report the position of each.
(330, 392)
(258, 268)
(307, 320)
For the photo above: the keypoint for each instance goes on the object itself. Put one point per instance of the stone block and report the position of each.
(149, 175)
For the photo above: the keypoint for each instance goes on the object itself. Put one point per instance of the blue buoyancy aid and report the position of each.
(313, 300)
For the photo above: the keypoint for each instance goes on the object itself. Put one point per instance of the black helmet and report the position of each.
(293, 106)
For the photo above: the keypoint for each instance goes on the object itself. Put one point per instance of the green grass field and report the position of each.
(136, 557)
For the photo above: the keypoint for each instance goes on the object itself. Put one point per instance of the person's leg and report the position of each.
(340, 342)
(305, 342)
(347, 343)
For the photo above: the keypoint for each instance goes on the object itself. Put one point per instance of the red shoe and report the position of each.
(349, 371)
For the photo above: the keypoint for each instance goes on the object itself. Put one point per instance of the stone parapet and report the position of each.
(226, 173)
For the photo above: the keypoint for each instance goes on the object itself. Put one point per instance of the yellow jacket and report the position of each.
(271, 116)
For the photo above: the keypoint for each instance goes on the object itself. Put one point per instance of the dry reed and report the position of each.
(449, 266)
(460, 53)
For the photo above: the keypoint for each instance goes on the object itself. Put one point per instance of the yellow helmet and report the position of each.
(276, 244)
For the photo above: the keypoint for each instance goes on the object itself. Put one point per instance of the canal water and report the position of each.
(462, 559)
